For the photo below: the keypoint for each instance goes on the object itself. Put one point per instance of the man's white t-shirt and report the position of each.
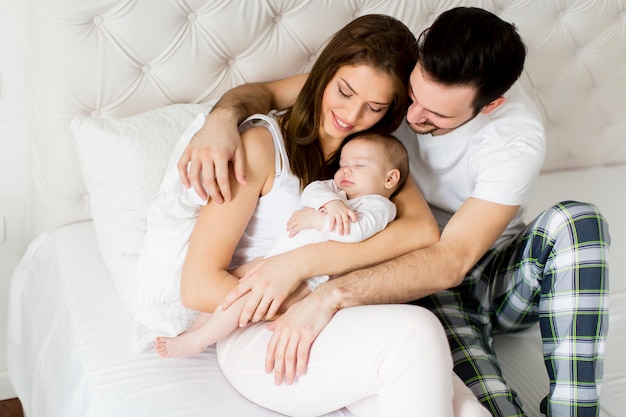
(494, 157)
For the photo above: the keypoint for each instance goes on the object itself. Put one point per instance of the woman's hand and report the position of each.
(294, 333)
(204, 163)
(242, 270)
(269, 282)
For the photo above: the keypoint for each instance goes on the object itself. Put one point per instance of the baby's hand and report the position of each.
(306, 218)
(339, 216)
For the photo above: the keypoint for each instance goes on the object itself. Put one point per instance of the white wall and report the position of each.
(15, 176)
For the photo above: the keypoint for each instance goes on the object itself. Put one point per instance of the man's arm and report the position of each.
(204, 163)
(471, 231)
(414, 227)
(468, 235)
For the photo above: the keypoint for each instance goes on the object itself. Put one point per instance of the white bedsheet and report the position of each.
(71, 351)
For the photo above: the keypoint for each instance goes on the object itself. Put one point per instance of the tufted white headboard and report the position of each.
(114, 58)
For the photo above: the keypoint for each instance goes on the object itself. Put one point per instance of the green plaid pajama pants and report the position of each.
(554, 272)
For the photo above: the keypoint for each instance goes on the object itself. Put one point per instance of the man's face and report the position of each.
(436, 108)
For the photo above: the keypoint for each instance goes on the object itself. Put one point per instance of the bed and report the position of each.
(114, 85)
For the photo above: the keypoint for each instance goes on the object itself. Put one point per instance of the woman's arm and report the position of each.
(204, 163)
(205, 278)
(415, 227)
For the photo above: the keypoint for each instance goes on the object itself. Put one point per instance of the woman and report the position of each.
(375, 360)
(373, 167)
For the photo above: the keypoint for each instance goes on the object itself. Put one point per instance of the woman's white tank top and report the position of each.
(274, 208)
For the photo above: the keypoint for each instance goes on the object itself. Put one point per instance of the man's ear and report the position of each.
(393, 177)
(493, 105)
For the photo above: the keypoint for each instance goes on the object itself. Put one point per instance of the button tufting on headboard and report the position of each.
(124, 57)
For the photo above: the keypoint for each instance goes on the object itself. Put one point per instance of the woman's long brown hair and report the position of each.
(380, 41)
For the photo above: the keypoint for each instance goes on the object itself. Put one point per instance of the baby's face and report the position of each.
(363, 169)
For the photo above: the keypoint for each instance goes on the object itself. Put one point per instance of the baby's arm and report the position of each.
(373, 213)
(330, 217)
(306, 218)
(318, 193)
(325, 196)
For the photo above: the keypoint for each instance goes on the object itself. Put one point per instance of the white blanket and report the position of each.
(171, 216)
(70, 351)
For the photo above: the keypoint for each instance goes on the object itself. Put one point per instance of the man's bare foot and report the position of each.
(183, 345)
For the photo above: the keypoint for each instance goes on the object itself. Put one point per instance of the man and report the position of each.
(476, 149)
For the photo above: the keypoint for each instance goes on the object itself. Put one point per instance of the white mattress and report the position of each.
(71, 351)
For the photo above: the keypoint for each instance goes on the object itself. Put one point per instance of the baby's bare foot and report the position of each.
(183, 345)
(160, 345)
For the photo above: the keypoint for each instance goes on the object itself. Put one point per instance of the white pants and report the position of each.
(380, 360)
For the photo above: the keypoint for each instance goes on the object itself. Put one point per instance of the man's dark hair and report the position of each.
(469, 46)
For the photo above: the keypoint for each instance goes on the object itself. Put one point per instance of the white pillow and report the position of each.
(170, 219)
(123, 162)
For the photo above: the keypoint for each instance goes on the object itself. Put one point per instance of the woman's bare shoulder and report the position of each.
(258, 145)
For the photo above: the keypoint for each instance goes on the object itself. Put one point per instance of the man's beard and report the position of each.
(424, 129)
(431, 128)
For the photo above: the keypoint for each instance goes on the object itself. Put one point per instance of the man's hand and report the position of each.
(294, 333)
(204, 163)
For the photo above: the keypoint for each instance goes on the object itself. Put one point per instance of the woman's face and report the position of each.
(355, 99)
